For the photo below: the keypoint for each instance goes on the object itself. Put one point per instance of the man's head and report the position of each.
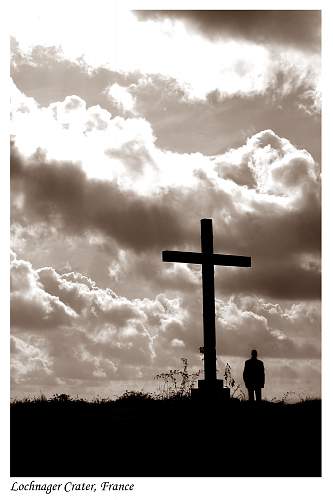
(254, 353)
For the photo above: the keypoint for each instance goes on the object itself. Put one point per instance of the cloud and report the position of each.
(243, 66)
(29, 364)
(264, 196)
(31, 305)
(61, 193)
(295, 28)
(290, 107)
(110, 337)
(254, 52)
(107, 147)
(121, 97)
(252, 323)
(265, 160)
(62, 77)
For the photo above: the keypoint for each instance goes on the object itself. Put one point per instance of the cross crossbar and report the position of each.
(203, 258)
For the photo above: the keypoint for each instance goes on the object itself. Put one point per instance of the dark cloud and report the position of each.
(214, 127)
(284, 280)
(295, 28)
(273, 233)
(284, 242)
(60, 193)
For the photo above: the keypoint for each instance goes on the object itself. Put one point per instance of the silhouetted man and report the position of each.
(254, 376)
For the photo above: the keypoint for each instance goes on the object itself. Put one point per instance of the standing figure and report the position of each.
(254, 376)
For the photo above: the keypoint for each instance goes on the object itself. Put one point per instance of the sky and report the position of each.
(122, 139)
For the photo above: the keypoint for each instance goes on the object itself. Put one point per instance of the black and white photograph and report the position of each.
(165, 241)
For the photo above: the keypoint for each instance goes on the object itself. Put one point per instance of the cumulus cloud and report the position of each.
(121, 97)
(29, 364)
(110, 337)
(269, 163)
(31, 305)
(69, 130)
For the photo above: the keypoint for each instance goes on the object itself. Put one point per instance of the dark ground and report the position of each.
(165, 438)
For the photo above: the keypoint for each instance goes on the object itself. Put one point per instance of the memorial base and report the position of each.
(210, 390)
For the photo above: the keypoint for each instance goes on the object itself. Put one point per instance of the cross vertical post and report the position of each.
(208, 302)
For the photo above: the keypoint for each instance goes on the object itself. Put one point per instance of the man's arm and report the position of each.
(245, 373)
(263, 373)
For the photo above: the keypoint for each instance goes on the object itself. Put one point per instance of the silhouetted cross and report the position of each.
(208, 260)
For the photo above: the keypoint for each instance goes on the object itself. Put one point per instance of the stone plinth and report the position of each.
(209, 390)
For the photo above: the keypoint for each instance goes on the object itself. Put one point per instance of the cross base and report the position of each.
(212, 390)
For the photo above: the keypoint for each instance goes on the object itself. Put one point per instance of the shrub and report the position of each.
(177, 383)
(230, 382)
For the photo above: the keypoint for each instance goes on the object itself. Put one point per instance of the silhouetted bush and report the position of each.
(177, 384)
